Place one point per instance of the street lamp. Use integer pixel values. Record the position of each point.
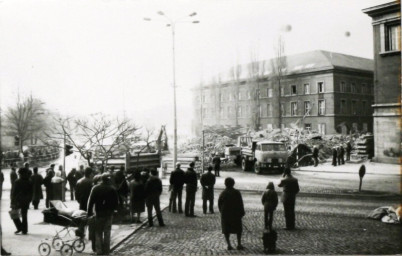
(172, 23)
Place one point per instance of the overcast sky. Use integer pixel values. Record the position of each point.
(88, 56)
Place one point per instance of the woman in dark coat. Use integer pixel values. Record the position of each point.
(37, 181)
(231, 207)
(21, 197)
(137, 196)
(270, 201)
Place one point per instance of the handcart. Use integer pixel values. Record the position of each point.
(67, 239)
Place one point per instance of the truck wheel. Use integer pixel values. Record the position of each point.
(244, 165)
(238, 161)
(257, 168)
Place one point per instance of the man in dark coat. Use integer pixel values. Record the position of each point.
(80, 173)
(191, 189)
(231, 207)
(208, 182)
(177, 182)
(137, 196)
(26, 166)
(105, 199)
(83, 189)
(153, 190)
(315, 155)
(13, 177)
(216, 161)
(72, 181)
(21, 198)
(48, 184)
(37, 181)
(1, 182)
(348, 150)
(121, 186)
(270, 201)
(338, 150)
(334, 156)
(342, 155)
(290, 188)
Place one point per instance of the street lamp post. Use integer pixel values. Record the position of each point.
(172, 24)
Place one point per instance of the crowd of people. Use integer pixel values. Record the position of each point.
(101, 193)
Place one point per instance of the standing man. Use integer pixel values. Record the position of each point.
(191, 189)
(21, 197)
(216, 161)
(121, 186)
(315, 155)
(153, 190)
(80, 173)
(83, 189)
(348, 150)
(37, 181)
(290, 188)
(342, 149)
(177, 183)
(13, 177)
(26, 166)
(208, 182)
(104, 197)
(334, 156)
(1, 181)
(48, 184)
(72, 181)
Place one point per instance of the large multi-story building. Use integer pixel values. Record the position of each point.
(387, 80)
(323, 91)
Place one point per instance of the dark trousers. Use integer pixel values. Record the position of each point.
(334, 161)
(315, 161)
(72, 191)
(347, 156)
(177, 194)
(35, 203)
(217, 169)
(211, 205)
(22, 224)
(1, 190)
(49, 196)
(268, 219)
(151, 202)
(190, 202)
(103, 227)
(289, 207)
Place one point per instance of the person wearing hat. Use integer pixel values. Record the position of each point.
(47, 181)
(153, 191)
(177, 182)
(191, 189)
(105, 199)
(21, 197)
(270, 201)
(37, 181)
(83, 189)
(216, 161)
(290, 188)
(208, 182)
(29, 171)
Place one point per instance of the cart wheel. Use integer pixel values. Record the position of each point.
(66, 250)
(79, 245)
(44, 249)
(57, 244)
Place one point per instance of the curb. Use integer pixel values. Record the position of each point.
(368, 173)
(114, 247)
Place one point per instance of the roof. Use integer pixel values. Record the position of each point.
(269, 142)
(377, 10)
(314, 61)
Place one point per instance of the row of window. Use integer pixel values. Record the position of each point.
(344, 87)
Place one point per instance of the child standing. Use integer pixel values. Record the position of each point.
(270, 201)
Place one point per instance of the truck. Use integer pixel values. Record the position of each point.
(262, 155)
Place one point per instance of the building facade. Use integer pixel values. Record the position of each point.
(323, 91)
(387, 83)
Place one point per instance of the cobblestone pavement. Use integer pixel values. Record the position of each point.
(324, 226)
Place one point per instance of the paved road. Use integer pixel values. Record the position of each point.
(324, 226)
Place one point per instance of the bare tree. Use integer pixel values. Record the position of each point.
(25, 119)
(279, 65)
(256, 71)
(235, 75)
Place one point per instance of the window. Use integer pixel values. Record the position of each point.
(260, 112)
(343, 107)
(364, 89)
(283, 113)
(269, 92)
(347, 88)
(321, 107)
(393, 36)
(230, 97)
(343, 86)
(307, 127)
(282, 91)
(293, 108)
(239, 111)
(239, 95)
(306, 88)
(222, 98)
(269, 110)
(354, 107)
(321, 128)
(365, 127)
(364, 106)
(320, 87)
(293, 90)
(222, 113)
(228, 112)
(307, 108)
(248, 95)
(353, 88)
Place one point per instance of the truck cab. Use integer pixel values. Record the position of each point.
(264, 156)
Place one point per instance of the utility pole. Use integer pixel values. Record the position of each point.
(203, 151)
(63, 192)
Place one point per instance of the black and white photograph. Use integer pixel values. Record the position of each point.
(189, 127)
